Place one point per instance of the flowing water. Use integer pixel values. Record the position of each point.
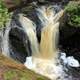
(45, 55)
(44, 58)
(5, 41)
(30, 29)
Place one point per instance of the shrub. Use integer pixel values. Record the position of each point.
(4, 16)
(73, 13)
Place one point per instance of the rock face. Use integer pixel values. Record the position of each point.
(71, 42)
(69, 36)
(19, 48)
(10, 70)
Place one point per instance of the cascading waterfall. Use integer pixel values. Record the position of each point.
(44, 60)
(5, 41)
(44, 55)
(49, 35)
(1, 36)
(30, 29)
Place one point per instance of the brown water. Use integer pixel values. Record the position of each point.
(50, 33)
(47, 49)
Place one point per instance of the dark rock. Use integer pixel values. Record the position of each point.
(19, 44)
(70, 41)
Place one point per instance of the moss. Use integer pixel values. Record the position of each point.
(40, 79)
(4, 15)
(73, 13)
(9, 75)
(12, 74)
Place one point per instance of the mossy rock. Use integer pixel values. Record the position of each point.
(11, 70)
(73, 13)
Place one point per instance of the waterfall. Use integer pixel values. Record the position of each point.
(30, 29)
(5, 41)
(44, 60)
(50, 31)
(1, 36)
(42, 57)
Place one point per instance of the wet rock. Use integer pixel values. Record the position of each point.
(19, 44)
(69, 36)
(70, 41)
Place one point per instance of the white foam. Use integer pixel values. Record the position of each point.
(70, 60)
(49, 68)
(29, 64)
(44, 67)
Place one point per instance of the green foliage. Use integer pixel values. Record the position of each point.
(9, 75)
(4, 16)
(73, 12)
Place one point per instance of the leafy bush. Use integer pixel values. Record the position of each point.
(4, 16)
(73, 13)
